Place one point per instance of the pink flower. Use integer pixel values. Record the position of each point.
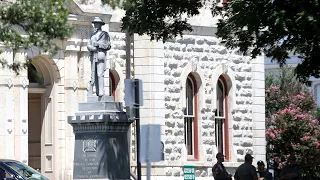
(282, 131)
(314, 121)
(305, 138)
(272, 136)
(317, 144)
(281, 164)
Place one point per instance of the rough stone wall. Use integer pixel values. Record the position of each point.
(209, 54)
(118, 51)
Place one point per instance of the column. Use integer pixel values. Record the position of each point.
(149, 67)
(106, 73)
(21, 111)
(258, 109)
(71, 84)
(7, 129)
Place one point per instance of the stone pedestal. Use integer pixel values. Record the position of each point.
(101, 140)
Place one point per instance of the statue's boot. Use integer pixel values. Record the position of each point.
(101, 85)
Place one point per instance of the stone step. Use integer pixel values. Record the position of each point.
(98, 106)
(100, 99)
(80, 113)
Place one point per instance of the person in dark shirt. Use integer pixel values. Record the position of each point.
(262, 173)
(219, 172)
(246, 171)
(291, 171)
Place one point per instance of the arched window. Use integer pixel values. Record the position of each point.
(191, 118)
(112, 85)
(35, 78)
(221, 118)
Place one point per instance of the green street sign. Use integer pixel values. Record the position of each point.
(188, 172)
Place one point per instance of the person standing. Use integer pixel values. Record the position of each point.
(262, 173)
(219, 172)
(246, 171)
(98, 46)
(291, 171)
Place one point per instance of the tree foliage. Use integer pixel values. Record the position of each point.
(273, 27)
(33, 23)
(291, 124)
(160, 19)
(276, 28)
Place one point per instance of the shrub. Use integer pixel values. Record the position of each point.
(291, 125)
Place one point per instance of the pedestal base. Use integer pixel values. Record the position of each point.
(101, 141)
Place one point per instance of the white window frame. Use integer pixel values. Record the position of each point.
(221, 118)
(186, 116)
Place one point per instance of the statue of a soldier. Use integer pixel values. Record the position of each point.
(98, 46)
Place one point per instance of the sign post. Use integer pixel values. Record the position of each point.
(189, 173)
(150, 147)
(134, 98)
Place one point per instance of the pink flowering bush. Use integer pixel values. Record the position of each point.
(292, 128)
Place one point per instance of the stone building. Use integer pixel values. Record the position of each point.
(207, 98)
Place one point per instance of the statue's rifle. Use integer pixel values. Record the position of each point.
(93, 66)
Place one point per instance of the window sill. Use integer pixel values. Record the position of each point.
(197, 163)
(192, 159)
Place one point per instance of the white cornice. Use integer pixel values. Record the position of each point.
(84, 13)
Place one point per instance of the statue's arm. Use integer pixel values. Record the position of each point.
(91, 46)
(106, 43)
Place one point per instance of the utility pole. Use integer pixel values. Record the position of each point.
(137, 117)
(135, 108)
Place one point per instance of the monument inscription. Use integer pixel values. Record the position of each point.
(88, 156)
(101, 155)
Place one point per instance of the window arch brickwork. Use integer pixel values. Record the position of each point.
(191, 118)
(221, 117)
(226, 76)
(195, 71)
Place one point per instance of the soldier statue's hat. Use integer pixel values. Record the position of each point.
(98, 20)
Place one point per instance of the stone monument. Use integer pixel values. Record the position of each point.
(100, 126)
(98, 46)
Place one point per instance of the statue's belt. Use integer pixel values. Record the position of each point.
(101, 50)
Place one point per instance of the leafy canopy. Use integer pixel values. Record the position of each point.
(33, 23)
(276, 28)
(160, 19)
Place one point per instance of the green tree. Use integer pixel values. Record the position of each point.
(160, 19)
(33, 23)
(275, 28)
